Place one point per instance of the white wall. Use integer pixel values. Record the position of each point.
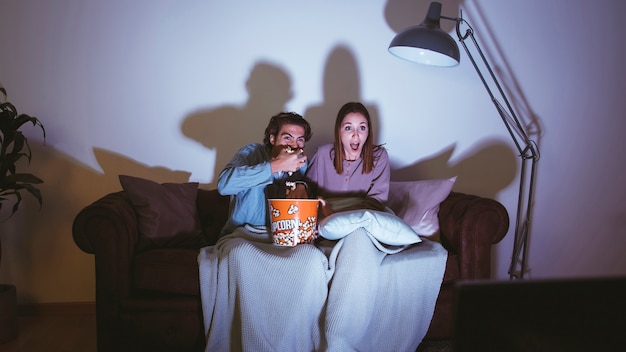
(167, 89)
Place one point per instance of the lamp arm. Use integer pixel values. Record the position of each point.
(527, 149)
(508, 115)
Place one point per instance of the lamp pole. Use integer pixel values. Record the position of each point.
(527, 149)
(427, 44)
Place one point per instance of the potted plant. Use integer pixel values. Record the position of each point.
(13, 148)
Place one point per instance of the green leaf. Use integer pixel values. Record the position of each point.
(13, 147)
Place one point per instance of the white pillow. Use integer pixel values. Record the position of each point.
(384, 226)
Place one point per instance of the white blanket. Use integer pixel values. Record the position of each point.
(353, 294)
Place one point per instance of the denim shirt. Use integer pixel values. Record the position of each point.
(244, 179)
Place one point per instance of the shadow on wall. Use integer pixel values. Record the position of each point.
(401, 14)
(228, 128)
(528, 118)
(487, 169)
(342, 84)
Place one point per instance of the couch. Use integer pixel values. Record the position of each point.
(147, 293)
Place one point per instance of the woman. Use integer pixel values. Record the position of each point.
(380, 298)
(361, 169)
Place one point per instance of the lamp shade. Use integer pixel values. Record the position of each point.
(427, 43)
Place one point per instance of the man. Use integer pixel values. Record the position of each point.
(257, 165)
(242, 277)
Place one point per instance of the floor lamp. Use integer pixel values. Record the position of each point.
(428, 44)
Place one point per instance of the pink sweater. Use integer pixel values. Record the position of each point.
(352, 182)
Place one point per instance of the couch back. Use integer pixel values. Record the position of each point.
(213, 211)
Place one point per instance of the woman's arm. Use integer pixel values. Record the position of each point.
(381, 173)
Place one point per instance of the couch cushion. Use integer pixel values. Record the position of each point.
(417, 203)
(167, 270)
(166, 213)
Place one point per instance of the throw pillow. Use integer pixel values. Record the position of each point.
(166, 213)
(384, 226)
(417, 202)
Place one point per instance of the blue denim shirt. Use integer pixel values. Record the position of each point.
(244, 179)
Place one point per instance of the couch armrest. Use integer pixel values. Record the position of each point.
(107, 228)
(469, 226)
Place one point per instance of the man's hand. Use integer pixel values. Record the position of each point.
(287, 159)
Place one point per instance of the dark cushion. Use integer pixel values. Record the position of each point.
(166, 213)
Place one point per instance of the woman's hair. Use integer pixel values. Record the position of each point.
(367, 153)
(285, 118)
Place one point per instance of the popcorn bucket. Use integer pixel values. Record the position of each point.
(293, 221)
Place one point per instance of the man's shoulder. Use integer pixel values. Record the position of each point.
(251, 147)
(255, 145)
(250, 154)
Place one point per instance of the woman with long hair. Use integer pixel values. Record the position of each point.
(352, 166)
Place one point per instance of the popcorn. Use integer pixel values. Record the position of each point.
(293, 221)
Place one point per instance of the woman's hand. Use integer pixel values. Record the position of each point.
(325, 208)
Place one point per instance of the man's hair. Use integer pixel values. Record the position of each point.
(285, 118)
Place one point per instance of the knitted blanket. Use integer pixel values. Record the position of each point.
(351, 294)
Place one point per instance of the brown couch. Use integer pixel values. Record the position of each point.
(148, 299)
